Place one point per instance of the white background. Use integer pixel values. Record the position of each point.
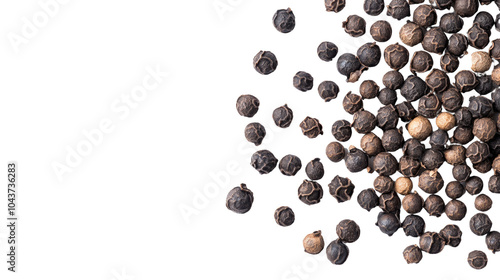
(147, 201)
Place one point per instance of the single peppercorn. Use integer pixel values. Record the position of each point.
(445, 121)
(406, 111)
(371, 144)
(247, 105)
(494, 145)
(263, 161)
(481, 62)
(356, 160)
(451, 23)
(466, 8)
(369, 54)
(438, 81)
(368, 89)
(414, 88)
(255, 133)
(483, 202)
(348, 64)
(485, 84)
(284, 216)
(239, 199)
(289, 165)
(462, 135)
(434, 205)
(337, 252)
(334, 5)
(452, 101)
(398, 9)
(431, 242)
(310, 192)
(284, 20)
(421, 62)
(327, 51)
(303, 81)
(494, 184)
(383, 184)
(393, 140)
(477, 259)
(388, 223)
(328, 90)
(314, 243)
(283, 116)
(412, 254)
(411, 34)
(409, 167)
(425, 16)
(265, 62)
(441, 4)
(435, 40)
(461, 172)
(452, 235)
(396, 56)
(335, 151)
(485, 21)
(430, 181)
(484, 129)
(387, 96)
(393, 80)
(455, 154)
(455, 190)
(464, 117)
(439, 140)
(352, 103)
(413, 203)
(449, 62)
(494, 50)
(390, 202)
(455, 210)
(477, 152)
(478, 37)
(413, 225)
(373, 7)
(480, 106)
(348, 231)
(387, 117)
(364, 122)
(484, 166)
(413, 148)
(495, 75)
(403, 185)
(315, 169)
(341, 188)
(355, 26)
(493, 241)
(341, 130)
(419, 128)
(432, 159)
(458, 45)
(368, 199)
(381, 31)
(311, 127)
(429, 106)
(480, 224)
(465, 80)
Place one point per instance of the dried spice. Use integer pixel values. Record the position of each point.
(412, 254)
(284, 216)
(413, 203)
(477, 152)
(478, 37)
(263, 161)
(431, 242)
(369, 54)
(484, 129)
(398, 9)
(432, 159)
(462, 135)
(461, 172)
(409, 167)
(465, 80)
(387, 96)
(390, 202)
(393, 140)
(314, 243)
(373, 7)
(364, 122)
(434, 205)
(493, 241)
(396, 56)
(341, 130)
(403, 185)
(464, 117)
(485, 84)
(455, 154)
(327, 51)
(289, 165)
(352, 103)
(406, 111)
(483, 202)
(328, 90)
(393, 80)
(371, 144)
(455, 190)
(414, 88)
(255, 133)
(341, 188)
(388, 223)
(247, 105)
(466, 8)
(381, 31)
(265, 62)
(420, 128)
(383, 184)
(429, 106)
(315, 169)
(439, 140)
(451, 23)
(356, 160)
(477, 259)
(337, 252)
(413, 148)
(438, 81)
(425, 15)
(349, 66)
(348, 231)
(310, 192)
(368, 199)
(452, 235)
(481, 62)
(311, 127)
(494, 50)
(413, 225)
(239, 199)
(411, 34)
(430, 181)
(480, 224)
(334, 5)
(449, 62)
(283, 116)
(335, 151)
(455, 210)
(387, 117)
(284, 20)
(303, 81)
(355, 26)
(435, 40)
(458, 45)
(445, 121)
(369, 89)
(421, 62)
(485, 21)
(441, 4)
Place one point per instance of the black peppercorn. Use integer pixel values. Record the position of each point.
(387, 96)
(364, 122)
(494, 50)
(356, 160)
(383, 184)
(411, 34)
(429, 106)
(396, 56)
(466, 8)
(398, 9)
(409, 167)
(477, 152)
(431, 243)
(493, 241)
(425, 15)
(430, 181)
(334, 5)
(341, 130)
(289, 165)
(412, 254)
(348, 64)
(335, 151)
(348, 231)
(462, 135)
(284, 20)
(452, 100)
(465, 80)
(432, 159)
(392, 140)
(438, 81)
(368, 199)
(390, 202)
(283, 116)
(263, 161)
(406, 111)
(315, 170)
(239, 199)
(255, 133)
(477, 259)
(414, 88)
(371, 144)
(449, 62)
(413, 148)
(352, 103)
(284, 216)
(483, 202)
(247, 105)
(452, 235)
(327, 51)
(485, 85)
(369, 54)
(484, 166)
(421, 62)
(480, 106)
(381, 31)
(495, 145)
(442, 4)
(455, 190)
(461, 172)
(303, 81)
(393, 80)
(458, 45)
(478, 37)
(464, 117)
(311, 127)
(494, 184)
(328, 90)
(413, 203)
(314, 243)
(451, 23)
(484, 129)
(455, 154)
(373, 7)
(413, 225)
(435, 40)
(480, 224)
(310, 192)
(455, 210)
(355, 26)
(388, 223)
(265, 62)
(337, 252)
(387, 117)
(369, 89)
(434, 205)
(341, 188)
(439, 139)
(485, 21)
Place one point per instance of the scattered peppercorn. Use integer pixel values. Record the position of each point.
(247, 105)
(355, 26)
(327, 51)
(348, 64)
(303, 81)
(481, 62)
(466, 8)
(465, 80)
(431, 242)
(462, 135)
(480, 224)
(406, 111)
(449, 62)
(334, 5)
(477, 259)
(434, 205)
(477, 152)
(455, 210)
(341, 130)
(420, 128)
(371, 144)
(452, 235)
(239, 199)
(289, 165)
(412, 254)
(369, 89)
(264, 161)
(464, 117)
(364, 122)
(315, 170)
(403, 185)
(284, 216)
(356, 160)
(311, 127)
(368, 199)
(337, 252)
(485, 84)
(310, 192)
(388, 223)
(439, 140)
(393, 140)
(478, 37)
(284, 20)
(335, 151)
(458, 45)
(494, 50)
(255, 133)
(341, 188)
(413, 148)
(483, 203)
(328, 90)
(283, 116)
(494, 184)
(445, 121)
(409, 167)
(381, 31)
(314, 243)
(485, 21)
(461, 172)
(383, 184)
(413, 225)
(396, 56)
(414, 88)
(432, 159)
(451, 23)
(455, 154)
(373, 7)
(387, 96)
(411, 34)
(442, 4)
(435, 40)
(265, 62)
(429, 106)
(493, 241)
(430, 181)
(413, 203)
(398, 9)
(455, 190)
(438, 81)
(425, 15)
(421, 62)
(369, 54)
(348, 231)
(390, 202)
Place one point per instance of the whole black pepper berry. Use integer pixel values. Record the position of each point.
(337, 252)
(284, 20)
(364, 122)
(458, 45)
(414, 88)
(483, 202)
(431, 243)
(355, 26)
(387, 96)
(466, 8)
(247, 105)
(406, 111)
(388, 223)
(315, 169)
(368, 199)
(485, 85)
(461, 172)
(494, 184)
(480, 224)
(398, 9)
(493, 241)
(430, 181)
(356, 160)
(434, 205)
(411, 34)
(284, 216)
(369, 89)
(464, 117)
(328, 90)
(255, 133)
(455, 154)
(283, 116)
(413, 225)
(289, 165)
(239, 199)
(314, 243)
(265, 62)
(455, 190)
(393, 80)
(335, 151)
(373, 7)
(371, 144)
(413, 148)
(425, 15)
(478, 37)
(484, 129)
(327, 51)
(495, 49)
(383, 184)
(348, 231)
(442, 4)
(449, 62)
(484, 166)
(396, 56)
(303, 81)
(465, 80)
(455, 210)
(477, 152)
(429, 106)
(311, 127)
(435, 40)
(462, 135)
(390, 202)
(409, 167)
(341, 188)
(439, 140)
(477, 259)
(432, 159)
(495, 145)
(387, 117)
(341, 130)
(381, 31)
(480, 106)
(334, 5)
(438, 81)
(421, 62)
(263, 161)
(393, 140)
(352, 103)
(348, 64)
(451, 23)
(310, 192)
(413, 203)
(412, 254)
(369, 54)
(485, 21)
(385, 164)
(452, 235)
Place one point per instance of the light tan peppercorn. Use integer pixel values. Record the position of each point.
(483, 202)
(495, 75)
(481, 62)
(403, 185)
(420, 128)
(314, 243)
(455, 154)
(445, 121)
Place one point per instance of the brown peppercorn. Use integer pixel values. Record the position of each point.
(481, 62)
(265, 62)
(432, 159)
(289, 165)
(484, 166)
(478, 37)
(390, 202)
(393, 139)
(255, 133)
(284, 216)
(421, 62)
(381, 31)
(398, 9)
(477, 152)
(461, 172)
(449, 62)
(413, 203)
(483, 202)
(335, 151)
(396, 56)
(441, 4)
(327, 51)
(480, 106)
(462, 135)
(495, 49)
(355, 26)
(348, 231)
(328, 90)
(494, 184)
(466, 8)
(455, 190)
(484, 129)
(493, 241)
(452, 235)
(465, 80)
(406, 111)
(495, 75)
(334, 5)
(247, 105)
(480, 224)
(412, 254)
(303, 81)
(411, 34)
(369, 89)
(455, 210)
(341, 188)
(369, 54)
(435, 40)
(425, 15)
(314, 243)
(352, 103)
(383, 184)
(477, 259)
(429, 106)
(458, 45)
(387, 96)
(431, 243)
(356, 160)
(413, 148)
(315, 169)
(371, 144)
(420, 128)
(474, 185)
(451, 22)
(283, 116)
(445, 121)
(403, 185)
(452, 100)
(434, 205)
(364, 122)
(385, 164)
(368, 199)
(430, 181)
(388, 223)
(387, 117)
(438, 81)
(455, 154)
(373, 7)
(341, 130)
(414, 88)
(310, 192)
(311, 127)
(409, 167)
(393, 80)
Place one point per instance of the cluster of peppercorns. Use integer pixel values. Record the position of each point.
(474, 128)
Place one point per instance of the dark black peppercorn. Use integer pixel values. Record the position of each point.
(480, 106)
(429, 106)
(393, 80)
(398, 9)
(465, 80)
(458, 45)
(355, 26)
(485, 20)
(352, 103)
(341, 130)
(356, 160)
(484, 166)
(413, 225)
(334, 5)
(412, 254)
(264, 161)
(480, 224)
(341, 188)
(328, 90)
(383, 184)
(442, 4)
(463, 117)
(434, 205)
(239, 199)
(451, 23)
(485, 85)
(413, 203)
(409, 167)
(327, 51)
(314, 243)
(283, 116)
(432, 159)
(495, 49)
(406, 111)
(477, 152)
(449, 62)
(348, 231)
(265, 62)
(484, 129)
(337, 252)
(411, 34)
(364, 122)
(368, 199)
(439, 139)
(495, 145)
(284, 216)
(421, 62)
(315, 170)
(477, 259)
(495, 97)
(373, 7)
(303, 81)
(425, 15)
(381, 31)
(478, 37)
(392, 140)
(483, 202)
(438, 81)
(461, 172)
(387, 117)
(335, 151)
(311, 127)
(369, 89)
(455, 154)
(455, 190)
(348, 64)
(390, 202)
(284, 20)
(255, 133)
(462, 135)
(289, 165)
(435, 40)
(371, 144)
(369, 54)
(247, 105)
(452, 235)
(414, 88)
(310, 192)
(396, 56)
(493, 241)
(431, 243)
(430, 181)
(455, 210)
(387, 96)
(413, 148)
(494, 184)
(388, 223)
(466, 8)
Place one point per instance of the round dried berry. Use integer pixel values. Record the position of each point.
(452, 235)
(368, 199)
(369, 89)
(435, 40)
(255, 133)
(421, 62)
(356, 160)
(466, 8)
(311, 127)
(413, 225)
(431, 243)
(335, 151)
(369, 54)
(478, 37)
(247, 105)
(381, 31)
(265, 62)
(303, 81)
(458, 45)
(341, 188)
(348, 231)
(239, 199)
(355, 26)
(398, 9)
(264, 161)
(327, 51)
(310, 192)
(283, 116)
(315, 170)
(334, 5)
(425, 16)
(284, 216)
(411, 34)
(289, 165)
(373, 7)
(393, 80)
(364, 122)
(396, 56)
(451, 23)
(477, 259)
(388, 223)
(328, 90)
(284, 20)
(430, 181)
(449, 62)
